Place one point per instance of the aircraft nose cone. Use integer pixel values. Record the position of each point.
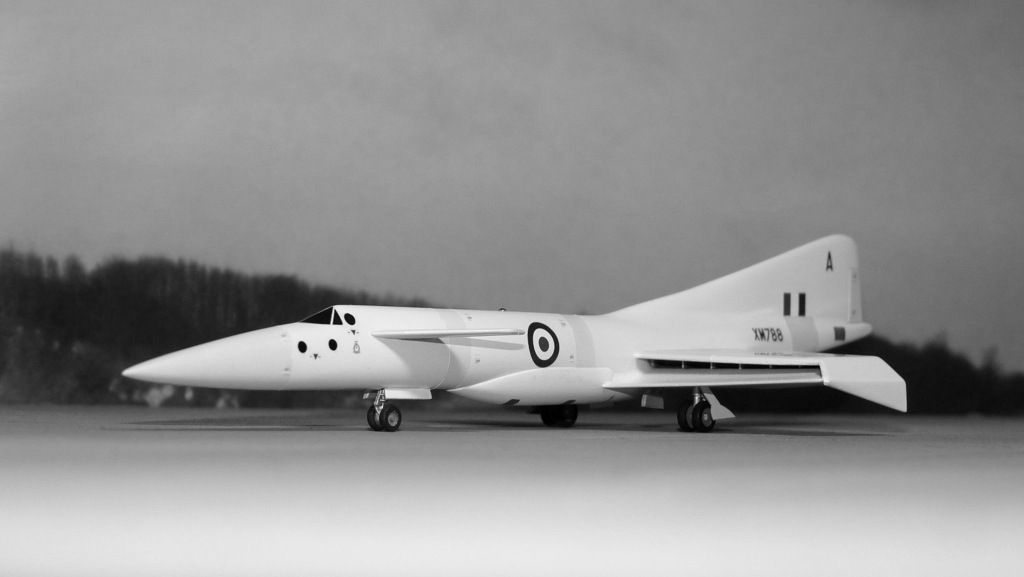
(257, 359)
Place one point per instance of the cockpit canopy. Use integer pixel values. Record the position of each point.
(330, 316)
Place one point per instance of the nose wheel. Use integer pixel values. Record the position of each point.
(390, 418)
(373, 419)
(382, 415)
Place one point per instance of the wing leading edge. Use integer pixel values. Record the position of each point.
(866, 377)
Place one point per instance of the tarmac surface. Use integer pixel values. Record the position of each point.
(133, 491)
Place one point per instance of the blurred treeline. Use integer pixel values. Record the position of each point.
(67, 332)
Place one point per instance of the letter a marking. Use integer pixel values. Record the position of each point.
(828, 263)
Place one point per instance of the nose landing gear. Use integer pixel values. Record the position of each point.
(382, 415)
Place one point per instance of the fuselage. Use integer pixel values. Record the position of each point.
(340, 349)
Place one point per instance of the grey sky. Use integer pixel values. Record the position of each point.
(538, 156)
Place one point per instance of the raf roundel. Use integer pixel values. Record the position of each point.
(543, 344)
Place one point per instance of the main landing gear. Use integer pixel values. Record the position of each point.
(382, 415)
(697, 416)
(563, 416)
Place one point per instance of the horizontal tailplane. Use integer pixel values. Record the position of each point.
(869, 378)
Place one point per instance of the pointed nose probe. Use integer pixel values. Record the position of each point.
(255, 360)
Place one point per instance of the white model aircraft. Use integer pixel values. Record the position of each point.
(760, 327)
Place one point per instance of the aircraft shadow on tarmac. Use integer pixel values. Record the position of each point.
(475, 424)
(787, 432)
(780, 429)
(245, 423)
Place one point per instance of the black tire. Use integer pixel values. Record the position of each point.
(565, 415)
(390, 418)
(562, 416)
(547, 416)
(685, 418)
(372, 420)
(703, 422)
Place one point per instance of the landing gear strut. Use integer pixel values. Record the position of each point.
(382, 415)
(697, 416)
(563, 416)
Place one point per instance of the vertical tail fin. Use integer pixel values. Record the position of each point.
(818, 279)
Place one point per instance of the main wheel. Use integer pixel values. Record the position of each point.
(547, 416)
(372, 420)
(703, 422)
(390, 418)
(685, 418)
(565, 415)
